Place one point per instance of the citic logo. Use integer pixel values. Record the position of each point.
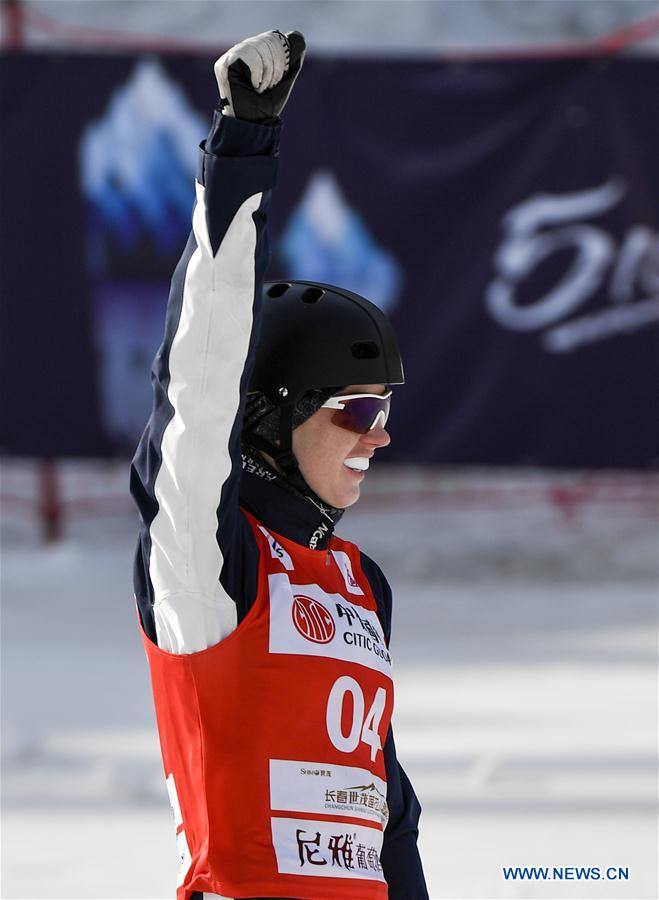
(312, 620)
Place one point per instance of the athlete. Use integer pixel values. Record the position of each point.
(268, 636)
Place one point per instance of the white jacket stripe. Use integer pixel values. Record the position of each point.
(207, 357)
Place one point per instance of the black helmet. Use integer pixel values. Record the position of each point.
(316, 338)
(314, 335)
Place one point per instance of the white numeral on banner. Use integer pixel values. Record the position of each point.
(364, 728)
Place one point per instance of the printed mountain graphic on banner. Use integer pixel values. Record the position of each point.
(137, 168)
(326, 240)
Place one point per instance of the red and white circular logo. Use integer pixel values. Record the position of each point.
(312, 620)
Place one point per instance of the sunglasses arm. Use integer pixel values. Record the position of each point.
(339, 401)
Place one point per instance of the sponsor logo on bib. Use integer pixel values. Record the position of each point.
(277, 551)
(312, 620)
(306, 620)
(329, 789)
(327, 849)
(344, 564)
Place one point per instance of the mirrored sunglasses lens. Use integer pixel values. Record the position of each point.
(359, 415)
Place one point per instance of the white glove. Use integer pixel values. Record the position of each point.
(255, 77)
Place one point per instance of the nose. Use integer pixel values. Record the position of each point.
(376, 437)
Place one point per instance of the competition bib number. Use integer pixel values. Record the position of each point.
(364, 727)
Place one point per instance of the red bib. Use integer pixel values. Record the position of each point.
(272, 739)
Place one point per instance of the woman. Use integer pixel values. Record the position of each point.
(267, 636)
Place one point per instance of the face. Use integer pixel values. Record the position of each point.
(324, 451)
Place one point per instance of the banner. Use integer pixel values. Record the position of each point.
(504, 214)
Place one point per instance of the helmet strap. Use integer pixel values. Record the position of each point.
(282, 453)
(260, 443)
(284, 457)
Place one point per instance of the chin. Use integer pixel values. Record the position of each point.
(349, 498)
(342, 499)
(341, 492)
(353, 499)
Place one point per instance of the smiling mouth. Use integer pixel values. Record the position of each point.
(357, 464)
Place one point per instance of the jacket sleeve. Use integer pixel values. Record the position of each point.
(400, 857)
(185, 473)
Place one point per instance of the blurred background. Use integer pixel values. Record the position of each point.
(486, 172)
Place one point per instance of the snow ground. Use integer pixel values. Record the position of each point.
(526, 665)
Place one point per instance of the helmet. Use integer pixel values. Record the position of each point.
(314, 340)
(314, 335)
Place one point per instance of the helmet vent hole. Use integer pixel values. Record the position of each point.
(312, 295)
(278, 290)
(365, 350)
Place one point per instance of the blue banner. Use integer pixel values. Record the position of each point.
(502, 213)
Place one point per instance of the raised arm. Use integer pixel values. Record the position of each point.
(185, 473)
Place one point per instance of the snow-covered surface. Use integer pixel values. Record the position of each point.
(526, 667)
(339, 26)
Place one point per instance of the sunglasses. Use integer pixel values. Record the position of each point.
(359, 412)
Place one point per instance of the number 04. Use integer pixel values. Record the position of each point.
(363, 728)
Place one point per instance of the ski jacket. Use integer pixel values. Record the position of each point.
(221, 536)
